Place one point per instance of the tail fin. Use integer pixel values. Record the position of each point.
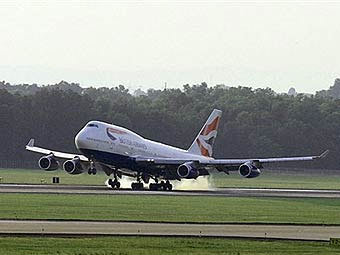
(203, 143)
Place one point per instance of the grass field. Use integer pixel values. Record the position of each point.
(269, 179)
(156, 245)
(170, 209)
(37, 176)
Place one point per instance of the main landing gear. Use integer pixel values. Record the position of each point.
(115, 184)
(160, 186)
(137, 185)
(92, 169)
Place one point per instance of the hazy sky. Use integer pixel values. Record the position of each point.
(143, 44)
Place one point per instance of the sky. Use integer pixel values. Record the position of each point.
(147, 44)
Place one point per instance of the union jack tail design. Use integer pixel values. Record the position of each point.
(203, 143)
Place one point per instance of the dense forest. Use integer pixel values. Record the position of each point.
(255, 122)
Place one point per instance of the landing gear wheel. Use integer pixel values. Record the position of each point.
(114, 184)
(117, 185)
(168, 186)
(137, 186)
(162, 185)
(92, 168)
(92, 171)
(153, 186)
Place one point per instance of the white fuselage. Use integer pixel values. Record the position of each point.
(103, 137)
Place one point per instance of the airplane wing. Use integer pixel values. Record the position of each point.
(30, 147)
(224, 162)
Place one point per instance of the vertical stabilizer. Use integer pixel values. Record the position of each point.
(203, 143)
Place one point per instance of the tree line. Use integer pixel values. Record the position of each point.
(255, 122)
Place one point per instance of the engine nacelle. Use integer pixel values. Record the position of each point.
(248, 170)
(73, 166)
(187, 171)
(48, 163)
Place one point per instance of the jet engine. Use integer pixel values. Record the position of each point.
(187, 171)
(48, 163)
(248, 170)
(73, 166)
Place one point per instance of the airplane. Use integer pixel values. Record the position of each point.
(119, 151)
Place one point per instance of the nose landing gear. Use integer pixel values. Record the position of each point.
(92, 168)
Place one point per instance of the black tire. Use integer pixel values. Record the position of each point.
(168, 185)
(117, 185)
(94, 171)
(136, 186)
(162, 186)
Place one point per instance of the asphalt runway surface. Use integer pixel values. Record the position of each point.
(225, 192)
(43, 227)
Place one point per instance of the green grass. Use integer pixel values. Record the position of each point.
(37, 176)
(170, 209)
(157, 245)
(272, 179)
(269, 179)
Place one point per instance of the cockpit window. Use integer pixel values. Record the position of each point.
(92, 125)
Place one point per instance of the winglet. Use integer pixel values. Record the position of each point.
(30, 143)
(324, 154)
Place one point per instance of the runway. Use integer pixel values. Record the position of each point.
(43, 227)
(270, 231)
(225, 192)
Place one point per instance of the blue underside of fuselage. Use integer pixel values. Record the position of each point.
(109, 158)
